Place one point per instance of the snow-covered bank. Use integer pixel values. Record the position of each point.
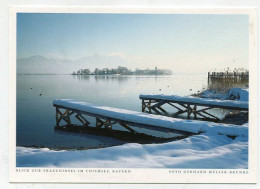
(237, 94)
(198, 151)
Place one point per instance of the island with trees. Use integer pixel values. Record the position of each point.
(122, 71)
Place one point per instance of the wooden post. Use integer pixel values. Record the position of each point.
(194, 111)
(189, 110)
(143, 105)
(57, 117)
(149, 106)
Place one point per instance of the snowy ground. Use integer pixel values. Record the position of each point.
(198, 151)
(237, 94)
(210, 149)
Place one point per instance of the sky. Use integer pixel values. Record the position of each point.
(180, 42)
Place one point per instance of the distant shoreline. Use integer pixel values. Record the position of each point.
(110, 74)
(100, 74)
(117, 74)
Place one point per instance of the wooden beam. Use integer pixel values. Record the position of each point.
(201, 115)
(86, 121)
(179, 112)
(127, 127)
(99, 123)
(204, 109)
(154, 109)
(78, 118)
(162, 102)
(175, 106)
(210, 115)
(163, 110)
(69, 114)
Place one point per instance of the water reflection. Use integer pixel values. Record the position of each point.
(81, 77)
(222, 84)
(108, 78)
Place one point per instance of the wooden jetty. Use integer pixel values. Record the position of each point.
(189, 105)
(106, 117)
(228, 75)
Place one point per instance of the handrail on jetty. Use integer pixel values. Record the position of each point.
(108, 116)
(189, 105)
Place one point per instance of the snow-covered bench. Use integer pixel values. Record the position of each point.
(107, 116)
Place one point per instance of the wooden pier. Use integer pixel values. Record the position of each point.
(198, 107)
(106, 117)
(229, 75)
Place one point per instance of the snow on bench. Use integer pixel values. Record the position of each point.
(134, 117)
(232, 104)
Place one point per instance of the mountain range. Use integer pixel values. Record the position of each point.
(41, 65)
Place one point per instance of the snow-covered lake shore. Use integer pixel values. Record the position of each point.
(211, 150)
(198, 151)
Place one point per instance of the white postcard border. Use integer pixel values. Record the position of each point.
(113, 175)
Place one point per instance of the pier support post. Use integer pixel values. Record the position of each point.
(143, 105)
(149, 106)
(57, 117)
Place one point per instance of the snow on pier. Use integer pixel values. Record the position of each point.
(189, 105)
(107, 116)
(228, 104)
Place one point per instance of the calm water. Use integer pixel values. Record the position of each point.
(36, 114)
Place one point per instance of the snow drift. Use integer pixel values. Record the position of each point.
(198, 151)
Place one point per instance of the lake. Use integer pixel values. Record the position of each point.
(36, 114)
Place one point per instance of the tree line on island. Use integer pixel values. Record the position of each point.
(122, 71)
